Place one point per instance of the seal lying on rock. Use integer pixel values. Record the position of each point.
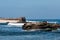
(40, 25)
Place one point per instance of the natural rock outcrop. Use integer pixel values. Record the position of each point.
(14, 20)
(40, 25)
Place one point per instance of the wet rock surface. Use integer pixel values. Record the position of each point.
(40, 25)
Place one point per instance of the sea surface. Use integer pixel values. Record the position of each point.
(8, 32)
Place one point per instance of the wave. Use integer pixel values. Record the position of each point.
(51, 22)
(47, 21)
(31, 21)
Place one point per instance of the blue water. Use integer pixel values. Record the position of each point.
(17, 33)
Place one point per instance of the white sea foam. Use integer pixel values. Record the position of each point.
(51, 22)
(30, 21)
(16, 24)
(31, 30)
(40, 21)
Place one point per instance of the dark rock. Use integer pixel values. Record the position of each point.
(40, 25)
(22, 20)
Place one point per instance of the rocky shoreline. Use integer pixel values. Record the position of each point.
(40, 25)
(43, 25)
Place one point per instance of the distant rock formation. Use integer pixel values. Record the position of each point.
(21, 19)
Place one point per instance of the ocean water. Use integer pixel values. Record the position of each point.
(8, 32)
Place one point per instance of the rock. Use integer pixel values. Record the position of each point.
(13, 20)
(40, 25)
(34, 25)
(22, 19)
(27, 26)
